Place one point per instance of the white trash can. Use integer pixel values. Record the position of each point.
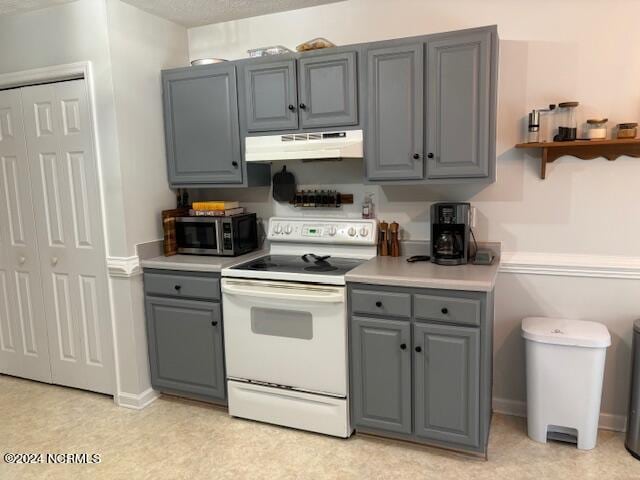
(565, 367)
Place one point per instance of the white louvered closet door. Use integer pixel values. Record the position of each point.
(66, 200)
(24, 351)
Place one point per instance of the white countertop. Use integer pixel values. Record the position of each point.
(396, 271)
(199, 263)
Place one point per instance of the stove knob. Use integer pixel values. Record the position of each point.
(277, 229)
(364, 232)
(332, 231)
(288, 229)
(352, 232)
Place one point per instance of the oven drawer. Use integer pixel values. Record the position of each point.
(389, 304)
(183, 285)
(464, 311)
(306, 411)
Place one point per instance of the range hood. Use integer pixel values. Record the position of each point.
(304, 146)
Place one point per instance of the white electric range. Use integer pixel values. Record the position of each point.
(285, 329)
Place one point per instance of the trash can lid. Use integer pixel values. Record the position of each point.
(561, 331)
(636, 326)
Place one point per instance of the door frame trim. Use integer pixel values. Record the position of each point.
(71, 71)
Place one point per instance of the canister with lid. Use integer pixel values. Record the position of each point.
(596, 128)
(627, 130)
(566, 122)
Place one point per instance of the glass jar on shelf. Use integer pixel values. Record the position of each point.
(596, 129)
(567, 124)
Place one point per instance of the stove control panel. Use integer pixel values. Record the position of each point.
(323, 230)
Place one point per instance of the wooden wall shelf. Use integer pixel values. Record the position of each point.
(584, 149)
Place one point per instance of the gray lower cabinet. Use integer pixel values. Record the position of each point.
(446, 376)
(381, 359)
(394, 126)
(186, 354)
(458, 106)
(201, 126)
(328, 96)
(271, 100)
(425, 375)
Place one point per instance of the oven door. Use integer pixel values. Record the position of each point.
(200, 235)
(286, 334)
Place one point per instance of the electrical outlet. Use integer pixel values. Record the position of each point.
(472, 217)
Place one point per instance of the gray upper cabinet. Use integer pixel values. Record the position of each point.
(447, 395)
(270, 96)
(201, 126)
(381, 366)
(458, 109)
(185, 346)
(327, 93)
(394, 124)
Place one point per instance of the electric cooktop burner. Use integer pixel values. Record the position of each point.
(309, 264)
(320, 268)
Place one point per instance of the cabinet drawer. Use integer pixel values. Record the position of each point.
(464, 311)
(181, 285)
(390, 304)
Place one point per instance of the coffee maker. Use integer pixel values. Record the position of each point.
(450, 228)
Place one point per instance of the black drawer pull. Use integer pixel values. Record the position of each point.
(177, 287)
(416, 156)
(444, 310)
(234, 163)
(379, 304)
(429, 155)
(418, 349)
(292, 107)
(302, 106)
(403, 346)
(214, 322)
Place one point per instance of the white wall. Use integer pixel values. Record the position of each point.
(75, 32)
(127, 49)
(142, 45)
(588, 208)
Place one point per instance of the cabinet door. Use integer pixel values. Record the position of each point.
(394, 127)
(446, 371)
(201, 126)
(328, 92)
(185, 346)
(271, 97)
(381, 374)
(458, 99)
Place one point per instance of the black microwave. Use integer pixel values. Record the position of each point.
(223, 236)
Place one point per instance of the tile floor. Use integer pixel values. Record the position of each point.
(179, 439)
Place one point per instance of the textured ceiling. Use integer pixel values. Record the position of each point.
(16, 6)
(191, 13)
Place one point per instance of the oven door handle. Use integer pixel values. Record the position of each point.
(306, 294)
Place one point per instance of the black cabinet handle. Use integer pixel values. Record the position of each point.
(234, 163)
(403, 346)
(214, 323)
(429, 155)
(302, 106)
(378, 304)
(177, 287)
(292, 107)
(444, 310)
(418, 349)
(416, 156)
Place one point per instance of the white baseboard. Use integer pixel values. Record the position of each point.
(518, 408)
(136, 402)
